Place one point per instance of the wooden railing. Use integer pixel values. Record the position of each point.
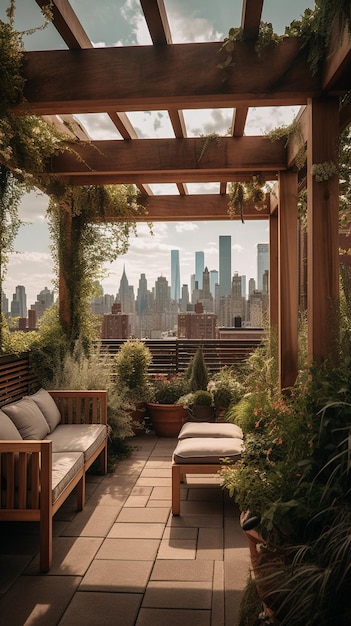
(173, 355)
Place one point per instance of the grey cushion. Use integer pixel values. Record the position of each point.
(28, 418)
(207, 450)
(7, 428)
(48, 407)
(65, 466)
(84, 438)
(210, 429)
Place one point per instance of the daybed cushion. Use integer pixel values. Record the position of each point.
(207, 450)
(48, 407)
(210, 429)
(7, 428)
(65, 466)
(84, 438)
(28, 418)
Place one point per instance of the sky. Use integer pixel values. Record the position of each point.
(118, 23)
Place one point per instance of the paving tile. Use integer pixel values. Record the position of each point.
(178, 595)
(11, 567)
(92, 608)
(218, 598)
(172, 532)
(160, 493)
(136, 501)
(141, 491)
(175, 569)
(199, 521)
(92, 522)
(173, 617)
(117, 576)
(70, 556)
(143, 515)
(210, 544)
(156, 473)
(35, 600)
(160, 503)
(132, 549)
(208, 493)
(203, 507)
(154, 481)
(158, 464)
(235, 578)
(177, 549)
(136, 531)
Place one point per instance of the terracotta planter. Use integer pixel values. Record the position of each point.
(138, 417)
(201, 413)
(166, 419)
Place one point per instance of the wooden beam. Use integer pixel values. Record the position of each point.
(157, 21)
(171, 160)
(336, 75)
(171, 208)
(164, 77)
(273, 271)
(67, 24)
(251, 18)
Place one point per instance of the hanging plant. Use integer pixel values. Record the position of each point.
(324, 171)
(292, 134)
(238, 193)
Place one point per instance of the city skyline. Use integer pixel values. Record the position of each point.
(133, 263)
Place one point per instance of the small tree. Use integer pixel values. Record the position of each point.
(198, 372)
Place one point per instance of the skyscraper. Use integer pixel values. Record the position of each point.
(262, 263)
(213, 281)
(175, 275)
(225, 265)
(199, 267)
(19, 302)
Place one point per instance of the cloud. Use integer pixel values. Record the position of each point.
(185, 226)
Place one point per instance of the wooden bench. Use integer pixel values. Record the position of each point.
(201, 449)
(37, 476)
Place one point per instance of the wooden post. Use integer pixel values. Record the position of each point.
(273, 271)
(288, 279)
(322, 226)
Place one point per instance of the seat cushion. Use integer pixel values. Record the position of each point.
(84, 438)
(210, 429)
(207, 450)
(65, 466)
(28, 418)
(48, 407)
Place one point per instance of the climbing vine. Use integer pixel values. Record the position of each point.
(238, 193)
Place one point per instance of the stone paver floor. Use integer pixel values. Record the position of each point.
(125, 560)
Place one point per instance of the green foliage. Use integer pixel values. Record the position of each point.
(168, 390)
(238, 193)
(202, 397)
(197, 372)
(131, 366)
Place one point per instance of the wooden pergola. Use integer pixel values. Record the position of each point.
(174, 77)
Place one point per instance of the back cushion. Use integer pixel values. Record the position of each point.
(7, 428)
(48, 407)
(28, 418)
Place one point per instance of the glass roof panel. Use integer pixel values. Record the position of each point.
(113, 22)
(169, 189)
(201, 20)
(197, 188)
(98, 126)
(206, 121)
(151, 124)
(261, 120)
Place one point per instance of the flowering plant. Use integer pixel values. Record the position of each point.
(168, 389)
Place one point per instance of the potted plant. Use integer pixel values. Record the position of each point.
(131, 365)
(202, 408)
(226, 390)
(167, 417)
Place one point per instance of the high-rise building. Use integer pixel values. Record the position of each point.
(19, 302)
(175, 275)
(142, 296)
(4, 303)
(225, 265)
(184, 301)
(45, 299)
(126, 294)
(213, 282)
(199, 267)
(262, 263)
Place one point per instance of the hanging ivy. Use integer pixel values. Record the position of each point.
(238, 193)
(86, 237)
